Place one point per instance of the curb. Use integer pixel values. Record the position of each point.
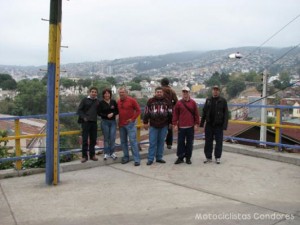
(234, 148)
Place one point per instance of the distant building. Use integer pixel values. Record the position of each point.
(296, 112)
(7, 94)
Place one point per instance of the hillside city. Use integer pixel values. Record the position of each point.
(198, 70)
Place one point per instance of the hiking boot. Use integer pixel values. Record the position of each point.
(83, 160)
(94, 158)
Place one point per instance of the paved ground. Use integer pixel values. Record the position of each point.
(241, 190)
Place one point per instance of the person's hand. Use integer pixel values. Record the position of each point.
(196, 128)
(110, 115)
(129, 120)
(146, 126)
(175, 127)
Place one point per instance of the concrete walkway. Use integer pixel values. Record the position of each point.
(241, 190)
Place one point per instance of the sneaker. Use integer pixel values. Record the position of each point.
(113, 156)
(178, 161)
(124, 161)
(106, 156)
(169, 146)
(160, 161)
(207, 161)
(137, 164)
(149, 163)
(83, 160)
(218, 160)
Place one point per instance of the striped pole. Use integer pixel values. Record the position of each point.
(52, 139)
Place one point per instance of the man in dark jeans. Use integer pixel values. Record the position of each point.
(87, 111)
(186, 121)
(215, 114)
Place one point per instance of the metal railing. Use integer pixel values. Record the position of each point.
(278, 126)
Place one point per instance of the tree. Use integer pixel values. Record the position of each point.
(277, 84)
(234, 87)
(224, 78)
(67, 83)
(284, 78)
(213, 80)
(7, 106)
(201, 95)
(251, 76)
(32, 98)
(101, 85)
(7, 82)
(111, 80)
(84, 82)
(135, 86)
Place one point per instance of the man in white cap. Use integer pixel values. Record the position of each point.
(186, 120)
(215, 114)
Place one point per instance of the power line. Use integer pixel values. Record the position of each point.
(277, 32)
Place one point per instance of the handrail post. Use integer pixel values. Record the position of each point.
(278, 129)
(18, 144)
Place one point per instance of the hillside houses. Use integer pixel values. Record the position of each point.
(27, 127)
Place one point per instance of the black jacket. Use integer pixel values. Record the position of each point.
(87, 109)
(221, 113)
(104, 109)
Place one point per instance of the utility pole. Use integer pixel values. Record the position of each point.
(263, 116)
(52, 138)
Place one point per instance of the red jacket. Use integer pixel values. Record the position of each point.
(128, 109)
(182, 117)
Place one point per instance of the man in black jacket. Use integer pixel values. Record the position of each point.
(87, 111)
(215, 114)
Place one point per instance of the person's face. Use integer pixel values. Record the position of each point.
(215, 92)
(106, 95)
(122, 94)
(185, 94)
(159, 93)
(93, 93)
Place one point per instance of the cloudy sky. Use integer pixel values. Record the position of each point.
(96, 30)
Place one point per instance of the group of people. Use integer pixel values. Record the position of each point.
(163, 113)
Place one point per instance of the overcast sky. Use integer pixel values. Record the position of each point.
(97, 30)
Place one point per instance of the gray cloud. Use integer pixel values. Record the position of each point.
(96, 30)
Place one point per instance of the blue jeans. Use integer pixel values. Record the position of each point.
(129, 131)
(185, 142)
(109, 133)
(156, 138)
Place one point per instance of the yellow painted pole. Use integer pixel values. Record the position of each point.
(18, 144)
(277, 128)
(56, 107)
